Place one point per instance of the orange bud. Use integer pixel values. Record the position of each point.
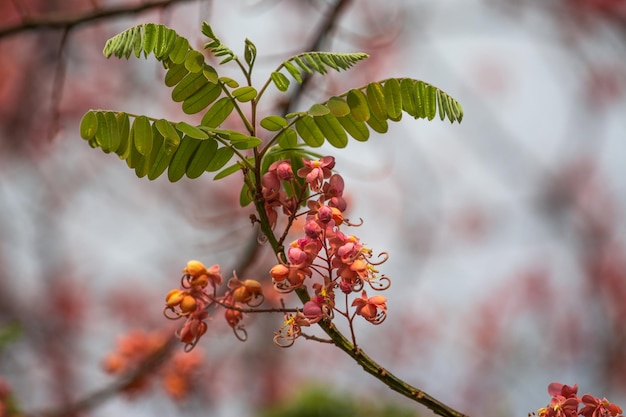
(233, 317)
(253, 286)
(174, 297)
(337, 215)
(200, 281)
(188, 304)
(242, 295)
(279, 272)
(195, 269)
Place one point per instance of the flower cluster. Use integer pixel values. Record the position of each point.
(566, 403)
(340, 260)
(177, 374)
(198, 293)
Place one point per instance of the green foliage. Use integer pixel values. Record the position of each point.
(310, 62)
(314, 402)
(371, 106)
(151, 147)
(9, 333)
(219, 49)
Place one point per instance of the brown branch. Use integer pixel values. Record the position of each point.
(150, 364)
(322, 33)
(65, 21)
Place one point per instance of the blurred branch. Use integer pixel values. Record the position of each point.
(323, 31)
(150, 364)
(67, 21)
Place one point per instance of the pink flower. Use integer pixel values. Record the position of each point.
(333, 192)
(314, 172)
(595, 407)
(372, 309)
(564, 401)
(558, 389)
(193, 329)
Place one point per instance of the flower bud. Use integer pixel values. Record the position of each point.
(188, 304)
(195, 269)
(174, 297)
(279, 272)
(233, 317)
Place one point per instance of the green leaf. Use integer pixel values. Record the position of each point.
(273, 123)
(210, 74)
(218, 112)
(142, 133)
(178, 54)
(287, 139)
(431, 102)
(221, 158)
(294, 71)
(409, 99)
(103, 135)
(123, 123)
(229, 82)
(280, 81)
(202, 98)
(376, 100)
(358, 130)
(245, 196)
(194, 61)
(309, 132)
(180, 160)
(188, 86)
(191, 131)
(239, 140)
(89, 125)
(229, 170)
(202, 158)
(170, 135)
(338, 107)
(249, 53)
(134, 158)
(420, 99)
(244, 94)
(175, 74)
(216, 46)
(332, 130)
(159, 159)
(378, 125)
(114, 130)
(358, 105)
(319, 62)
(443, 104)
(393, 99)
(149, 38)
(318, 110)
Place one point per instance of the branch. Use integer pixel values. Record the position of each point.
(372, 367)
(323, 31)
(94, 399)
(65, 21)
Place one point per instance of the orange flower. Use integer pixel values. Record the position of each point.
(372, 309)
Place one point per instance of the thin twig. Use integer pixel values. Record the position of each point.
(321, 35)
(67, 21)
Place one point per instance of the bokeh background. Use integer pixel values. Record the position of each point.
(506, 232)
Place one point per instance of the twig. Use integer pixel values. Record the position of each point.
(320, 36)
(65, 21)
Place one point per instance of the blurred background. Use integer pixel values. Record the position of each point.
(506, 232)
